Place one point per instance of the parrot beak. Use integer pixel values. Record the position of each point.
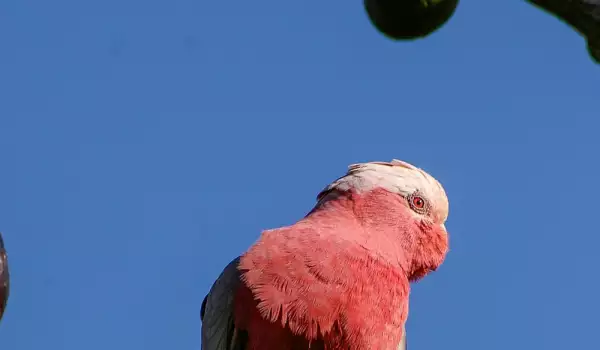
(402, 345)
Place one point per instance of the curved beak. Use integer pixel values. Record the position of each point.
(402, 345)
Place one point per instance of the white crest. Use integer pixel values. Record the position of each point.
(395, 176)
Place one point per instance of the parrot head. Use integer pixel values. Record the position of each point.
(402, 209)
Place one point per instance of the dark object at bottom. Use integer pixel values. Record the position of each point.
(581, 15)
(4, 278)
(409, 19)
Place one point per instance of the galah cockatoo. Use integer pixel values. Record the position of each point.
(338, 278)
(4, 278)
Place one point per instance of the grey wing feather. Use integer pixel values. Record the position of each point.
(218, 328)
(4, 278)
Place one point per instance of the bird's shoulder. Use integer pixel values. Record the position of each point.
(314, 283)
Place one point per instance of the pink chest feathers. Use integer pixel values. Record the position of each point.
(320, 298)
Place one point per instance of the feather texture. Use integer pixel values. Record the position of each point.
(218, 326)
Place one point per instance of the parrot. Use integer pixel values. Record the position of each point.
(409, 19)
(4, 278)
(339, 278)
(581, 15)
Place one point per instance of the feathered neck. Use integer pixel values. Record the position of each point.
(381, 223)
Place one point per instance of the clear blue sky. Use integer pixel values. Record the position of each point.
(144, 144)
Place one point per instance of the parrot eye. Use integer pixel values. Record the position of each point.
(418, 203)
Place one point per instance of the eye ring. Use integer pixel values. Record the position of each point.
(418, 203)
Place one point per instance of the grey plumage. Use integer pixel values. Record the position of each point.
(218, 329)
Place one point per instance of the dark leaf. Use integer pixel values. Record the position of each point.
(409, 19)
(582, 15)
(4, 278)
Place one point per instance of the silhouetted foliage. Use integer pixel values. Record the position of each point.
(4, 277)
(409, 19)
(581, 15)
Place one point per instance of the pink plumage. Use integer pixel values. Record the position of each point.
(338, 278)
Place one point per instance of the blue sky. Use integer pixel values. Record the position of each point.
(144, 144)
